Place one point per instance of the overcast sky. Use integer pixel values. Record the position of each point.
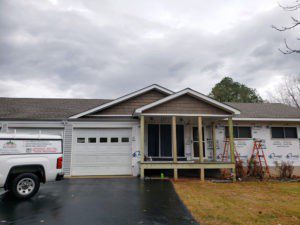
(104, 49)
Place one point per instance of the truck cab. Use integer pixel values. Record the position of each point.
(28, 160)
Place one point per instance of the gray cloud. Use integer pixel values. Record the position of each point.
(96, 49)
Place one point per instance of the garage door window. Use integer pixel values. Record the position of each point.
(81, 140)
(103, 140)
(114, 140)
(125, 139)
(92, 140)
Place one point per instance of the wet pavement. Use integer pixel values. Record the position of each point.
(98, 201)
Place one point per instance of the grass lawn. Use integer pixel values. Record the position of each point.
(241, 203)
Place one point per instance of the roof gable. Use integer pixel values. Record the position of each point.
(187, 101)
(128, 97)
(129, 106)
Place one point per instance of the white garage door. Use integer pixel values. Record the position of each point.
(101, 152)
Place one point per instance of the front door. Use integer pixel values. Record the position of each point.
(196, 142)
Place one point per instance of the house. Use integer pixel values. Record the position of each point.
(108, 137)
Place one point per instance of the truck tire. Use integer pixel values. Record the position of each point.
(25, 185)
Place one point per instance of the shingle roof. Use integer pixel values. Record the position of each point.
(58, 109)
(265, 110)
(44, 108)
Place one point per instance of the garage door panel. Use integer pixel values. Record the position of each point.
(85, 171)
(102, 158)
(96, 158)
(117, 150)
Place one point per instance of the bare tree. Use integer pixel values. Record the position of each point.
(295, 23)
(289, 92)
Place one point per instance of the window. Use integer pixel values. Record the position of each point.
(103, 140)
(284, 132)
(244, 132)
(160, 140)
(196, 142)
(239, 132)
(290, 132)
(114, 140)
(277, 132)
(92, 140)
(80, 140)
(125, 139)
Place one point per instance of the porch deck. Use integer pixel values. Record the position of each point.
(175, 149)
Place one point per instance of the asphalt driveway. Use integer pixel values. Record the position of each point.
(98, 201)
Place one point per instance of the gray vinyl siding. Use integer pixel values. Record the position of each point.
(68, 139)
(4, 128)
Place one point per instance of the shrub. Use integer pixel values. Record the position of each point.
(255, 169)
(285, 169)
(240, 173)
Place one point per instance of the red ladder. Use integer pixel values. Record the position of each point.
(258, 159)
(227, 149)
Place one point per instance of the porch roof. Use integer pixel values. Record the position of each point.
(187, 103)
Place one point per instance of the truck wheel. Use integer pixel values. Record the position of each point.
(25, 185)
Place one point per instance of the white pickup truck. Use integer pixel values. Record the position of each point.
(27, 160)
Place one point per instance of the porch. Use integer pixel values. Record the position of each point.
(182, 142)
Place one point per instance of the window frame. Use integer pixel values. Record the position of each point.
(115, 142)
(101, 142)
(127, 138)
(284, 137)
(84, 142)
(88, 140)
(204, 142)
(237, 127)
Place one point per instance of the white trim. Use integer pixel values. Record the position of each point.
(120, 115)
(268, 119)
(102, 124)
(34, 124)
(194, 93)
(121, 99)
(182, 114)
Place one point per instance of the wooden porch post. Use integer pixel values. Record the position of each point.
(202, 175)
(142, 139)
(174, 139)
(231, 142)
(200, 138)
(213, 127)
(175, 174)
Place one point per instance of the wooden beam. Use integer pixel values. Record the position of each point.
(174, 139)
(184, 165)
(214, 141)
(142, 139)
(200, 138)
